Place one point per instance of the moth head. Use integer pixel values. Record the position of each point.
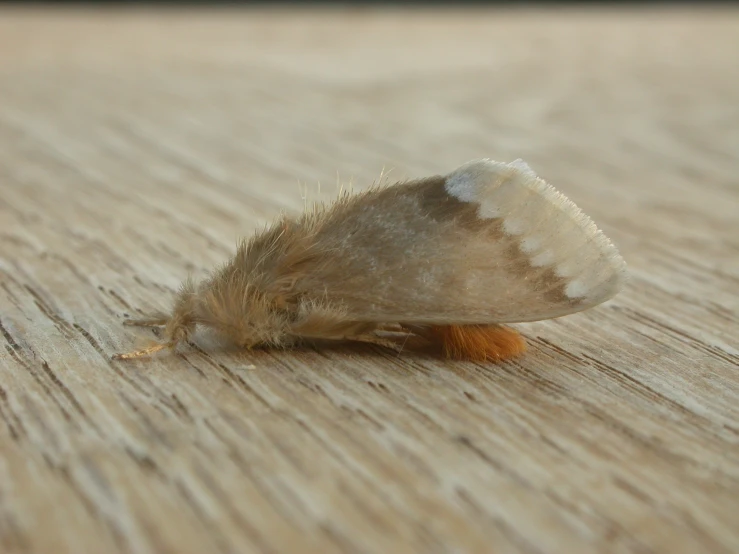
(237, 309)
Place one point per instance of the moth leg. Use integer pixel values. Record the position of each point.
(379, 341)
(392, 328)
(326, 322)
(144, 352)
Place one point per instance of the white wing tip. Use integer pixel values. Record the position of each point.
(466, 182)
(504, 191)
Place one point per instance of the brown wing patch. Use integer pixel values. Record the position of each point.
(436, 203)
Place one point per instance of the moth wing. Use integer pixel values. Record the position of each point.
(488, 243)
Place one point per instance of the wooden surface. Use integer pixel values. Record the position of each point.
(136, 148)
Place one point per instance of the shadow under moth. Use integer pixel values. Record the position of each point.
(448, 259)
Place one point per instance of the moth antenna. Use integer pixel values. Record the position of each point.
(148, 351)
(179, 325)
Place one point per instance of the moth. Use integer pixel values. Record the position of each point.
(450, 259)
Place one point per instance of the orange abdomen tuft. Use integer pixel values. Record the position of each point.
(478, 342)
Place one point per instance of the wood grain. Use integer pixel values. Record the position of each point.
(136, 148)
